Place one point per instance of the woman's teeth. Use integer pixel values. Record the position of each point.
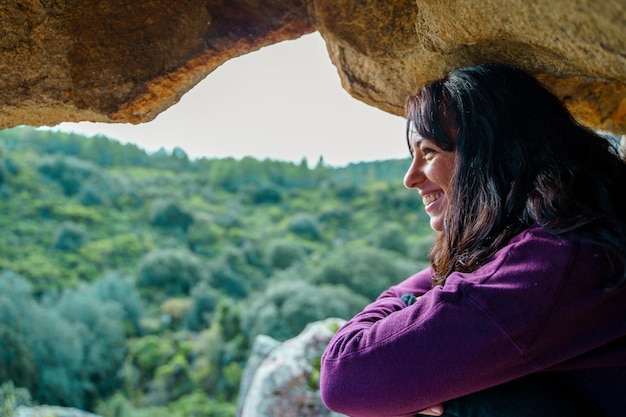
(430, 198)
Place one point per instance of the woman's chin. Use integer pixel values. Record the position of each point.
(436, 223)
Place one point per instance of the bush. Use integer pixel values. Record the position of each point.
(348, 192)
(70, 173)
(89, 195)
(287, 306)
(266, 195)
(171, 271)
(65, 351)
(122, 290)
(150, 352)
(420, 248)
(336, 217)
(198, 404)
(16, 358)
(169, 214)
(235, 271)
(306, 226)
(228, 280)
(12, 397)
(174, 310)
(98, 325)
(204, 236)
(365, 270)
(390, 236)
(203, 306)
(69, 237)
(283, 253)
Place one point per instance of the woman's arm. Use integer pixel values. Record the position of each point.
(416, 284)
(476, 332)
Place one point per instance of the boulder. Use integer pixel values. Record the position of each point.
(282, 380)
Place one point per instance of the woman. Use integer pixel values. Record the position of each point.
(524, 302)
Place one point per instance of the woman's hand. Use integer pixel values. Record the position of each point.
(435, 410)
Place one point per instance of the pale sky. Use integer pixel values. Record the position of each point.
(282, 102)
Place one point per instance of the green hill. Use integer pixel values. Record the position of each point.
(127, 278)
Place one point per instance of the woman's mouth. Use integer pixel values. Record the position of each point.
(431, 198)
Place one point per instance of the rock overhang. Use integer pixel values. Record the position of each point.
(126, 61)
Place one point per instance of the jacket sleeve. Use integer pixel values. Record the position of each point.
(394, 360)
(417, 285)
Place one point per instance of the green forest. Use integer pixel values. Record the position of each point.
(133, 284)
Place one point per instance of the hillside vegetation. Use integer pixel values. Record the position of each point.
(133, 284)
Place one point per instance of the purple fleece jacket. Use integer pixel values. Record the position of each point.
(539, 304)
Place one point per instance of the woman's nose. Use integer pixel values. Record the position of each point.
(415, 174)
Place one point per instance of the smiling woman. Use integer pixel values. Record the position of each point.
(522, 310)
(282, 102)
(431, 172)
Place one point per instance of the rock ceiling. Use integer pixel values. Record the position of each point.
(128, 60)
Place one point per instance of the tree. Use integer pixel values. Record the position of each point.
(172, 271)
(12, 397)
(98, 325)
(305, 225)
(390, 236)
(70, 172)
(283, 253)
(69, 237)
(204, 303)
(365, 270)
(288, 305)
(266, 195)
(204, 236)
(114, 287)
(169, 214)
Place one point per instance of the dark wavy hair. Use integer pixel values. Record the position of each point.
(521, 160)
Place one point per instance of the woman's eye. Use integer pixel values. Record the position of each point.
(427, 153)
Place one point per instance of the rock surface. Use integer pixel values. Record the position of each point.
(127, 61)
(282, 380)
(51, 411)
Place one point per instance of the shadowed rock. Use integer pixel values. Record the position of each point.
(127, 61)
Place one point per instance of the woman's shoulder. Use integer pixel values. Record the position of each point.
(542, 243)
(540, 252)
(539, 235)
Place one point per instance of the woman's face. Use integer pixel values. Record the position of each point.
(431, 173)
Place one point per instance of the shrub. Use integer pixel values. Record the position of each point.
(69, 237)
(89, 195)
(171, 271)
(98, 325)
(420, 248)
(306, 226)
(283, 253)
(169, 214)
(68, 348)
(174, 310)
(204, 302)
(122, 290)
(70, 172)
(336, 217)
(204, 236)
(235, 271)
(197, 403)
(266, 195)
(365, 270)
(348, 192)
(287, 306)
(12, 397)
(390, 236)
(149, 352)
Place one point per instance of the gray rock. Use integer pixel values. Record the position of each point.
(51, 411)
(285, 383)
